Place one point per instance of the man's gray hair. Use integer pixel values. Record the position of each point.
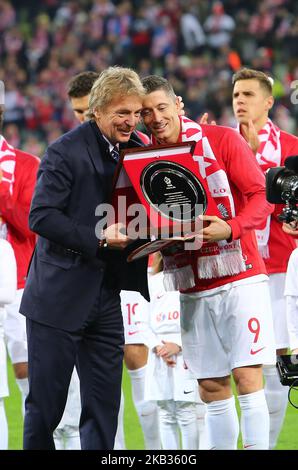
(114, 82)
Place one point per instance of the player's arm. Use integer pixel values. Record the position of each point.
(245, 174)
(15, 207)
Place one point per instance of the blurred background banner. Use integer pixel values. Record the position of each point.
(2, 93)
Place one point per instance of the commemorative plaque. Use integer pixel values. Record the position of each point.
(172, 190)
(167, 183)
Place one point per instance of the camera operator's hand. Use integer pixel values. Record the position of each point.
(289, 229)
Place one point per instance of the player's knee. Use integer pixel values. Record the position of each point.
(167, 413)
(135, 356)
(248, 379)
(277, 400)
(21, 370)
(146, 408)
(215, 389)
(187, 415)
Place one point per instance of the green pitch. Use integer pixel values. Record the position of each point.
(288, 439)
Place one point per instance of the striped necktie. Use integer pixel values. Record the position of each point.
(115, 154)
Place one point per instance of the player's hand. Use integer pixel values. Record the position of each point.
(216, 230)
(250, 134)
(204, 120)
(181, 111)
(171, 361)
(168, 349)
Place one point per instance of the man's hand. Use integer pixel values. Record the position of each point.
(115, 237)
(216, 230)
(250, 134)
(289, 229)
(204, 120)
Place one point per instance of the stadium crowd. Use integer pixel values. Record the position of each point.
(196, 45)
(200, 48)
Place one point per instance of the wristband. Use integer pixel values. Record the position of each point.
(102, 241)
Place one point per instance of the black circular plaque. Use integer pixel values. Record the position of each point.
(173, 190)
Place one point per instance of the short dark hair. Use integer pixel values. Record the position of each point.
(80, 85)
(155, 82)
(248, 74)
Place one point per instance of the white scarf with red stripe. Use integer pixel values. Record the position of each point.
(216, 259)
(7, 165)
(268, 156)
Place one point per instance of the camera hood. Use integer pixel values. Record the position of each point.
(272, 175)
(287, 367)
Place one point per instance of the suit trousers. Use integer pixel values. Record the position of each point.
(97, 351)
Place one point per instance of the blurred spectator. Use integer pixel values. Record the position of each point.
(192, 31)
(141, 35)
(14, 104)
(261, 24)
(43, 44)
(7, 15)
(283, 119)
(33, 145)
(13, 135)
(164, 39)
(219, 27)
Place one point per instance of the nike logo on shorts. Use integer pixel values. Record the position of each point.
(132, 332)
(186, 393)
(249, 445)
(256, 351)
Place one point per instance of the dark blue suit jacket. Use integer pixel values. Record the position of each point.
(65, 275)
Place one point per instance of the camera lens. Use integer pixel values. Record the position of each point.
(290, 188)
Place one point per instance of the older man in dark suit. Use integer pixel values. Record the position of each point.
(71, 300)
